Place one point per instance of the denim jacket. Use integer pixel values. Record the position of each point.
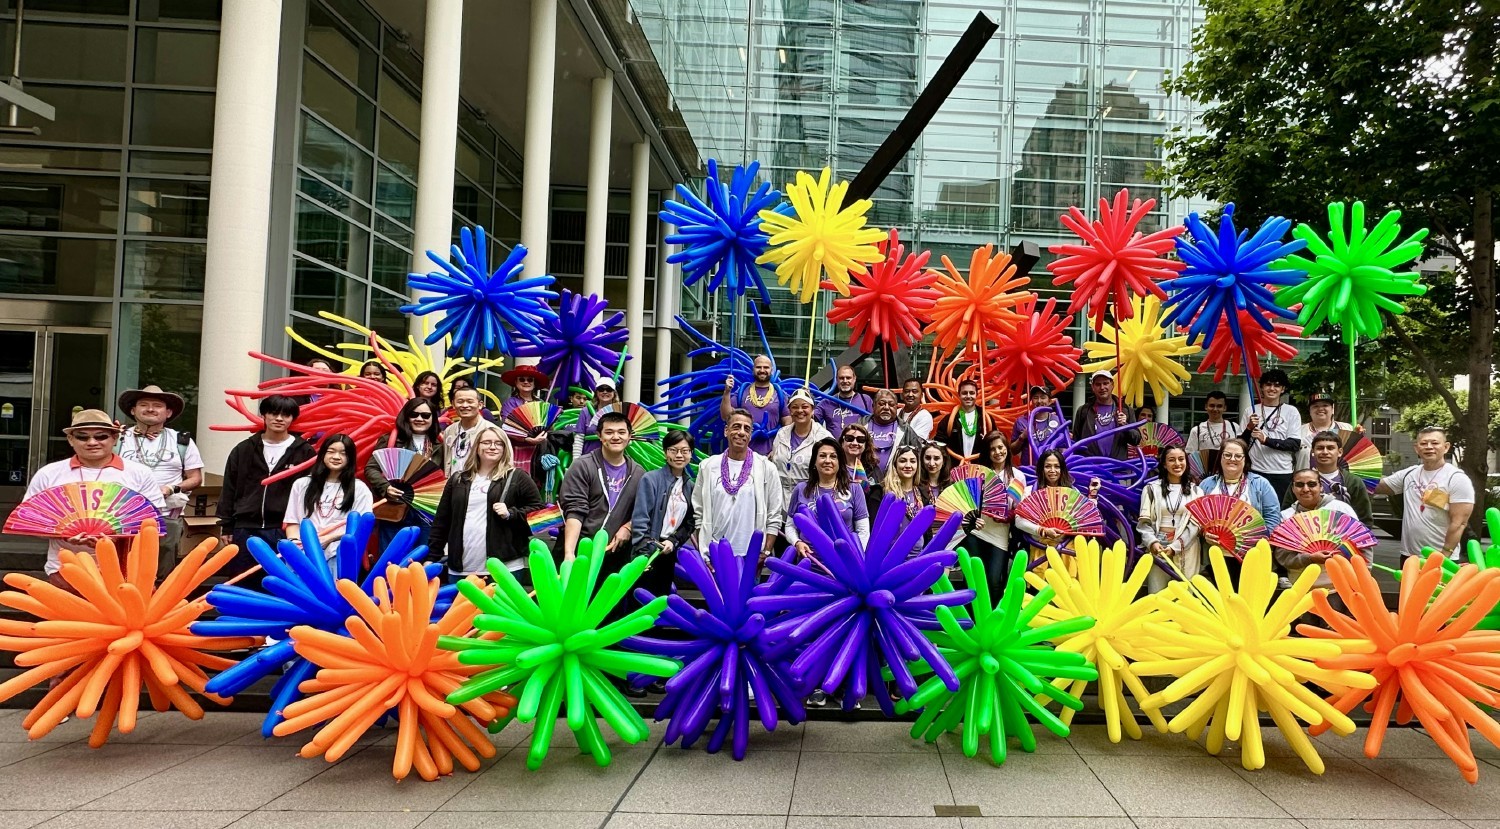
(651, 510)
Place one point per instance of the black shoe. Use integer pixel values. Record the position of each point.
(817, 699)
(634, 693)
(658, 687)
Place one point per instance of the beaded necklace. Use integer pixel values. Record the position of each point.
(760, 401)
(969, 422)
(734, 486)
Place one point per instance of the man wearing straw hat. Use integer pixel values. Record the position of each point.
(171, 456)
(92, 435)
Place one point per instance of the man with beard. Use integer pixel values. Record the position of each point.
(850, 406)
(762, 400)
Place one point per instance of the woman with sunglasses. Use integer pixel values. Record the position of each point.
(416, 429)
(859, 454)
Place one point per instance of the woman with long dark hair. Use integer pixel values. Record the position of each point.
(932, 476)
(829, 475)
(858, 452)
(1165, 529)
(327, 494)
(416, 429)
(429, 385)
(989, 539)
(1052, 472)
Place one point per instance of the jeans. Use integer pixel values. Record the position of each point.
(243, 560)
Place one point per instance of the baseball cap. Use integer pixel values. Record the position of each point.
(1101, 373)
(1322, 397)
(1035, 389)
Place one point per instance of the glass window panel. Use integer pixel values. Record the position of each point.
(337, 103)
(393, 231)
(332, 41)
(391, 265)
(508, 212)
(334, 157)
(159, 344)
(185, 10)
(356, 15)
(167, 207)
(330, 238)
(177, 164)
(400, 103)
(41, 158)
(177, 57)
(395, 196)
(474, 164)
(98, 8)
(386, 317)
(469, 203)
(163, 270)
(59, 203)
(83, 114)
(316, 288)
(333, 197)
(399, 54)
(63, 52)
(397, 148)
(173, 119)
(31, 264)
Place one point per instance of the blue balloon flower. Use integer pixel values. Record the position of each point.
(299, 590)
(867, 610)
(720, 233)
(724, 654)
(695, 394)
(572, 347)
(1229, 272)
(484, 310)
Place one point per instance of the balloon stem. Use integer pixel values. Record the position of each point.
(620, 366)
(812, 323)
(1249, 381)
(1353, 393)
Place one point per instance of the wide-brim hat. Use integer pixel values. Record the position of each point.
(130, 397)
(509, 378)
(92, 419)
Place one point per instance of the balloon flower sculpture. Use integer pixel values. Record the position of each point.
(720, 233)
(890, 301)
(1235, 651)
(1427, 659)
(1036, 350)
(408, 358)
(390, 663)
(483, 310)
(1004, 664)
(722, 648)
(869, 607)
(574, 349)
(1143, 354)
(117, 634)
(554, 649)
(1115, 260)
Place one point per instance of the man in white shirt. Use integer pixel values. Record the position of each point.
(1274, 433)
(1320, 420)
(1207, 438)
(738, 493)
(171, 456)
(912, 413)
(1438, 497)
(458, 438)
(92, 436)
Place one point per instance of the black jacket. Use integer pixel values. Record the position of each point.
(243, 502)
(505, 538)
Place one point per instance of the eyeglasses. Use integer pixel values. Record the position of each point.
(854, 439)
(101, 437)
(680, 450)
(491, 443)
(421, 415)
(1306, 484)
(1233, 457)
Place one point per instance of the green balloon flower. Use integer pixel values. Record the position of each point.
(1003, 664)
(1351, 278)
(554, 649)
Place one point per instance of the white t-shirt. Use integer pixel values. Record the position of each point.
(274, 451)
(161, 455)
(326, 512)
(737, 512)
(1424, 523)
(677, 506)
(1210, 437)
(1278, 422)
(476, 527)
(125, 473)
(920, 422)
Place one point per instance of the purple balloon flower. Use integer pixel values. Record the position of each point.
(868, 609)
(572, 347)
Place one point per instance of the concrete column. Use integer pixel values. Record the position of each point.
(234, 280)
(635, 286)
(436, 159)
(668, 286)
(595, 228)
(1164, 411)
(536, 163)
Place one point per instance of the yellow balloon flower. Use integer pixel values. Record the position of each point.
(1234, 649)
(1145, 354)
(1102, 590)
(821, 237)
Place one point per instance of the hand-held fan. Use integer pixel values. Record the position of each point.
(419, 478)
(1364, 460)
(985, 493)
(1160, 435)
(96, 508)
(527, 418)
(1324, 532)
(1227, 522)
(1062, 509)
(643, 425)
(970, 470)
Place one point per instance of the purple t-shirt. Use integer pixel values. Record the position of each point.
(1037, 426)
(767, 417)
(852, 505)
(836, 416)
(885, 438)
(614, 480)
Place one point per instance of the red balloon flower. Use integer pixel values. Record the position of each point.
(890, 301)
(1224, 355)
(1036, 350)
(1115, 260)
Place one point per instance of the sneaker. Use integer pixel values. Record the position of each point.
(1283, 583)
(658, 687)
(817, 699)
(858, 704)
(633, 692)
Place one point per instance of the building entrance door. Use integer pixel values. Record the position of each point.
(46, 373)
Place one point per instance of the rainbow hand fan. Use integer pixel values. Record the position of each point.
(95, 508)
(1063, 509)
(527, 418)
(1227, 522)
(1160, 435)
(643, 424)
(986, 493)
(970, 470)
(1324, 532)
(416, 475)
(1364, 460)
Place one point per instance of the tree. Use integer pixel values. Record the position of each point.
(1392, 102)
(1434, 412)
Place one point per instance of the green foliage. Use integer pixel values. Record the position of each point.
(1434, 412)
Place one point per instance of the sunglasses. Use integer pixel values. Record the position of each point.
(1306, 484)
(854, 440)
(101, 437)
(421, 415)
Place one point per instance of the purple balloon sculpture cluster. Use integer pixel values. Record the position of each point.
(572, 347)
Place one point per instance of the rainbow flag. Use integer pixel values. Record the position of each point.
(1017, 489)
(544, 519)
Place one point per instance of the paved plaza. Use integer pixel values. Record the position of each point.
(177, 774)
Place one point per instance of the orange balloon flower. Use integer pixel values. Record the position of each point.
(116, 634)
(977, 307)
(942, 397)
(390, 661)
(1427, 658)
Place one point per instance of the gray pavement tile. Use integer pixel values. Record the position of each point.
(215, 729)
(259, 775)
(16, 752)
(23, 819)
(627, 820)
(141, 820)
(1036, 785)
(1094, 739)
(876, 737)
(1482, 824)
(894, 785)
(267, 819)
(1439, 783)
(1345, 790)
(1199, 786)
(828, 822)
(567, 781)
(1390, 824)
(1483, 748)
(514, 820)
(1050, 823)
(1398, 743)
(69, 732)
(519, 733)
(76, 774)
(363, 783)
(1216, 823)
(699, 783)
(1046, 743)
